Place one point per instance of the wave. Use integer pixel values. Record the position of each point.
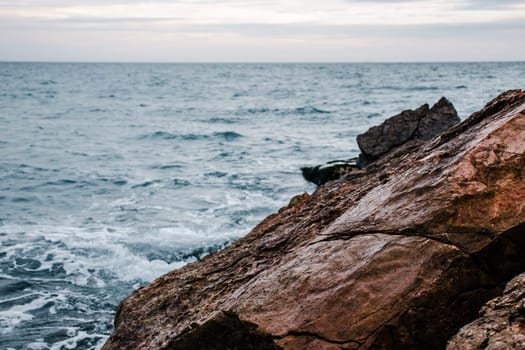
(410, 89)
(60, 182)
(181, 183)
(118, 182)
(216, 174)
(303, 110)
(164, 135)
(110, 96)
(167, 166)
(192, 137)
(310, 110)
(98, 110)
(227, 135)
(9, 286)
(24, 199)
(240, 94)
(219, 120)
(146, 184)
(48, 82)
(260, 110)
(32, 168)
(159, 135)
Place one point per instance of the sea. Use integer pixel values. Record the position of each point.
(114, 174)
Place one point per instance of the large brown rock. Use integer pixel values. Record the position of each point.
(501, 324)
(397, 256)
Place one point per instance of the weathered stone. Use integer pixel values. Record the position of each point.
(501, 324)
(398, 256)
(422, 123)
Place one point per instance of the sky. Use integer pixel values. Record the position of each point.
(262, 30)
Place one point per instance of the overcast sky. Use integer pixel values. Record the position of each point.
(262, 30)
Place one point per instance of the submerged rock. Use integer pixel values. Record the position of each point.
(501, 324)
(398, 256)
(421, 124)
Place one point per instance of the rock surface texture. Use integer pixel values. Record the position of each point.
(501, 325)
(421, 124)
(399, 255)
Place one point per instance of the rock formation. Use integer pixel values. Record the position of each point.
(501, 325)
(421, 124)
(409, 126)
(397, 256)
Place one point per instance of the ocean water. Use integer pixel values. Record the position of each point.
(113, 174)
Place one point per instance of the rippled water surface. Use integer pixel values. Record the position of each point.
(112, 174)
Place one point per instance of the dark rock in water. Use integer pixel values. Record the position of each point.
(333, 170)
(399, 255)
(501, 324)
(422, 123)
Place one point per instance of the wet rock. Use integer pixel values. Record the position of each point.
(501, 324)
(409, 126)
(399, 255)
(223, 331)
(423, 123)
(332, 170)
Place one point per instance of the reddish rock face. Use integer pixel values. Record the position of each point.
(399, 255)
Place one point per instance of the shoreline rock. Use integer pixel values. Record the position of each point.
(422, 123)
(397, 256)
(407, 127)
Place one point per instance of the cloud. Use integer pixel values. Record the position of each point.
(464, 3)
(272, 30)
(335, 12)
(492, 5)
(384, 1)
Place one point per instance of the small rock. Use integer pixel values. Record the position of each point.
(332, 170)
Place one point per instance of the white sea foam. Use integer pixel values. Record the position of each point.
(38, 345)
(18, 313)
(84, 254)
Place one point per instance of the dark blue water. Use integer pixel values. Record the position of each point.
(112, 174)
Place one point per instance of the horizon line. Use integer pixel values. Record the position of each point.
(259, 62)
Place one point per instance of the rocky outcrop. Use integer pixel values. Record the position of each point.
(423, 123)
(409, 127)
(397, 256)
(501, 324)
